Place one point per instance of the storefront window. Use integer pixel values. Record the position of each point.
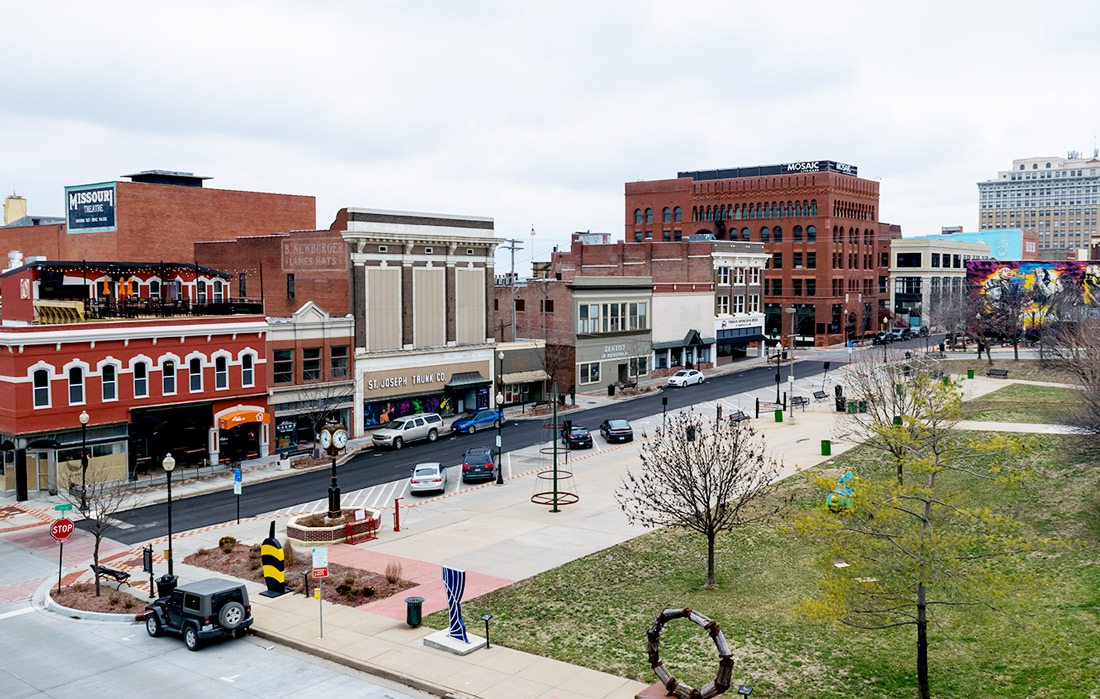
(590, 373)
(639, 366)
(380, 412)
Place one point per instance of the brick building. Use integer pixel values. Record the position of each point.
(817, 220)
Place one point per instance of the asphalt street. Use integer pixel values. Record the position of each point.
(378, 466)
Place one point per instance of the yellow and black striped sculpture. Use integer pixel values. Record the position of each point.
(273, 558)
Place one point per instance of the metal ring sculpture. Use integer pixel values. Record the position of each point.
(672, 685)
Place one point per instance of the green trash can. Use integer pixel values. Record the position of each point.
(863, 406)
(853, 408)
(969, 373)
(414, 611)
(826, 447)
(779, 416)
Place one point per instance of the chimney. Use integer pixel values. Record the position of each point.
(15, 207)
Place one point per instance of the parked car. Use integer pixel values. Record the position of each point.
(686, 377)
(897, 335)
(481, 420)
(577, 438)
(617, 431)
(428, 478)
(881, 338)
(908, 333)
(199, 611)
(923, 332)
(477, 465)
(397, 433)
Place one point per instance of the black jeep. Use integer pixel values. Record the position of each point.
(202, 610)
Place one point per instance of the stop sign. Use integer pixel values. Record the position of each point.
(61, 529)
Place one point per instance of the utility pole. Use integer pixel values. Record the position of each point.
(512, 246)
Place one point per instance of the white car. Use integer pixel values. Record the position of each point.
(427, 478)
(685, 377)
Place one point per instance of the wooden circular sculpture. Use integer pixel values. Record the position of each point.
(675, 687)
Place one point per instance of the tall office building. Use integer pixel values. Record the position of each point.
(1055, 197)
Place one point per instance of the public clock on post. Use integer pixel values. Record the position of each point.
(340, 438)
(326, 438)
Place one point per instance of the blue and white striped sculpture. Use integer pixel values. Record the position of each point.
(454, 581)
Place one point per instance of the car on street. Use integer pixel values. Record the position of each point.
(685, 377)
(898, 334)
(428, 478)
(909, 333)
(405, 430)
(477, 465)
(200, 611)
(577, 438)
(881, 338)
(617, 431)
(481, 420)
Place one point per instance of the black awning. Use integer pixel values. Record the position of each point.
(467, 379)
(743, 339)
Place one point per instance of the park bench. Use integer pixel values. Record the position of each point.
(799, 402)
(997, 373)
(119, 576)
(739, 416)
(628, 386)
(821, 395)
(936, 355)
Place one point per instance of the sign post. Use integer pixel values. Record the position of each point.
(147, 566)
(237, 484)
(60, 530)
(320, 572)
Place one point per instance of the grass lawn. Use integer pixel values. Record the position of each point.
(594, 611)
(1024, 403)
(1027, 369)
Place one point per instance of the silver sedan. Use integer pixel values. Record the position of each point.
(428, 478)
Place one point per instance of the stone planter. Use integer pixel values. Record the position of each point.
(337, 533)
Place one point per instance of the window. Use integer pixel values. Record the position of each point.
(248, 370)
(290, 285)
(797, 233)
(796, 261)
(242, 285)
(777, 287)
(613, 317)
(548, 305)
(723, 275)
(754, 303)
(168, 377)
(41, 388)
(339, 362)
(283, 365)
(777, 234)
(109, 379)
(667, 215)
(637, 217)
(765, 235)
(738, 304)
(777, 260)
(754, 275)
(744, 234)
(194, 373)
(589, 318)
(639, 366)
(221, 373)
(649, 215)
(723, 305)
(154, 289)
(811, 260)
(811, 234)
(521, 305)
(908, 259)
(811, 287)
(200, 286)
(639, 316)
(76, 386)
(678, 215)
(218, 294)
(311, 364)
(590, 373)
(796, 287)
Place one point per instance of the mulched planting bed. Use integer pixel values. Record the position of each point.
(348, 586)
(82, 596)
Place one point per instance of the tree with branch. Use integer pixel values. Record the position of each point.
(1072, 344)
(1002, 311)
(702, 477)
(105, 499)
(904, 551)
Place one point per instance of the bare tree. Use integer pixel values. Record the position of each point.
(1002, 312)
(702, 477)
(319, 402)
(105, 498)
(1072, 344)
(950, 312)
(557, 362)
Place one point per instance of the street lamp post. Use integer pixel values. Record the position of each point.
(884, 339)
(791, 311)
(84, 417)
(500, 415)
(169, 463)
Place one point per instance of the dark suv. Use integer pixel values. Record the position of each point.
(477, 465)
(212, 608)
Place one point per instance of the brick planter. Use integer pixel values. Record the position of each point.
(301, 535)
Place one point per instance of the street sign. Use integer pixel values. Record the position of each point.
(320, 562)
(61, 529)
(237, 475)
(147, 559)
(237, 488)
(63, 507)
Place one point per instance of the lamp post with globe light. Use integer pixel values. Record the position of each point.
(84, 418)
(500, 414)
(169, 464)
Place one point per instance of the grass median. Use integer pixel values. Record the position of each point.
(594, 611)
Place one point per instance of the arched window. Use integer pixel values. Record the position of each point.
(678, 214)
(141, 380)
(667, 215)
(221, 373)
(775, 211)
(109, 380)
(76, 386)
(765, 234)
(637, 217)
(744, 234)
(811, 234)
(797, 233)
(813, 207)
(168, 377)
(218, 296)
(777, 234)
(41, 388)
(649, 215)
(798, 208)
(194, 371)
(695, 213)
(200, 287)
(247, 370)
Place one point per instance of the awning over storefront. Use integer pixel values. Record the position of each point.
(741, 339)
(525, 376)
(693, 338)
(467, 379)
(240, 417)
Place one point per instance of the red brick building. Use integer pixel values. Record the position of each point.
(817, 220)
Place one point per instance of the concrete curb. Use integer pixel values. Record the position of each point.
(42, 600)
(361, 665)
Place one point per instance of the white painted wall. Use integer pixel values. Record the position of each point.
(675, 314)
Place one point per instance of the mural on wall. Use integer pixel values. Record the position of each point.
(382, 411)
(1050, 285)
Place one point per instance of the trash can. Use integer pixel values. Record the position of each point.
(610, 389)
(826, 447)
(166, 584)
(853, 408)
(414, 612)
(969, 373)
(863, 406)
(779, 416)
(841, 404)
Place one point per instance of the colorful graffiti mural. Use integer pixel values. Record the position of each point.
(1050, 286)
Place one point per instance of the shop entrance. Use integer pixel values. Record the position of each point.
(239, 443)
(181, 430)
(38, 471)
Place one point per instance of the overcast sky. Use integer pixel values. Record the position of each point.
(536, 113)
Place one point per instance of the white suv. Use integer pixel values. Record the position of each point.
(410, 428)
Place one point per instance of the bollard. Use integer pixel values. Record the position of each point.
(397, 514)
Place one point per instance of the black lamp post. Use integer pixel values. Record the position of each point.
(84, 417)
(169, 463)
(486, 618)
(500, 416)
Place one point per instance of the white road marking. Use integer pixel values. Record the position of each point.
(17, 612)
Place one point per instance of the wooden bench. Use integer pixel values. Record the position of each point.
(628, 386)
(821, 395)
(739, 416)
(799, 402)
(997, 373)
(119, 576)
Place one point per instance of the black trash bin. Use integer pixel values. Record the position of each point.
(166, 584)
(414, 612)
(610, 389)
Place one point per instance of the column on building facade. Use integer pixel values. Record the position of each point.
(359, 303)
(489, 295)
(451, 303)
(407, 310)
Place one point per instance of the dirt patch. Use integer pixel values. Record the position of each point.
(320, 520)
(348, 586)
(82, 596)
